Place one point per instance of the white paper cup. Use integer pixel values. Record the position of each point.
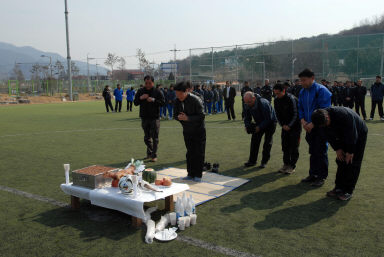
(193, 219)
(172, 218)
(181, 223)
(187, 221)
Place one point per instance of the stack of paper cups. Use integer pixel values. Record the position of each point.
(66, 169)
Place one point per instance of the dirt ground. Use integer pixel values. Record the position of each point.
(49, 99)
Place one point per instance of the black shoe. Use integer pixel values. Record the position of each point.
(249, 164)
(207, 166)
(345, 196)
(215, 168)
(262, 165)
(334, 192)
(318, 182)
(309, 179)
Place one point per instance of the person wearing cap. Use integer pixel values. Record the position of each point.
(314, 96)
(188, 110)
(347, 134)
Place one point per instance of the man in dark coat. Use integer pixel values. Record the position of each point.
(229, 94)
(377, 93)
(150, 99)
(189, 112)
(288, 118)
(347, 134)
(107, 98)
(360, 92)
(259, 120)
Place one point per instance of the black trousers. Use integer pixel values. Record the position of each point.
(348, 174)
(243, 110)
(360, 104)
(195, 144)
(267, 146)
(290, 142)
(230, 110)
(108, 103)
(318, 147)
(129, 105)
(151, 136)
(118, 104)
(379, 106)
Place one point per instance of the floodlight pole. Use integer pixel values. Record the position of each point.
(293, 68)
(68, 52)
(190, 65)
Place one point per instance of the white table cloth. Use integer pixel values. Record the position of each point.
(112, 198)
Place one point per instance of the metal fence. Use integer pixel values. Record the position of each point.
(330, 57)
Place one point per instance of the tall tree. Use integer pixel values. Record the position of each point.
(75, 70)
(35, 71)
(144, 64)
(122, 63)
(59, 69)
(17, 73)
(111, 60)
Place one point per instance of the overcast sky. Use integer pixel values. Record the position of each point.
(121, 26)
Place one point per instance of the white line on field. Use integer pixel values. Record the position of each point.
(103, 129)
(185, 239)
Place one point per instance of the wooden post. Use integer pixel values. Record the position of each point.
(169, 204)
(136, 222)
(75, 202)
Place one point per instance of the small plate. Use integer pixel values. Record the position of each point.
(159, 236)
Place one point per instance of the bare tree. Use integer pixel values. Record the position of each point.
(111, 60)
(35, 71)
(122, 63)
(60, 70)
(144, 64)
(75, 70)
(17, 73)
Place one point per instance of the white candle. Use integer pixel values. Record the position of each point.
(66, 168)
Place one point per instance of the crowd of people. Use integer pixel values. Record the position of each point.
(304, 104)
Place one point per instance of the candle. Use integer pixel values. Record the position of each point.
(66, 168)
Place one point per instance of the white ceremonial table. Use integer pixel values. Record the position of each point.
(112, 198)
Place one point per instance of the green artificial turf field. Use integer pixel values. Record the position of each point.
(272, 215)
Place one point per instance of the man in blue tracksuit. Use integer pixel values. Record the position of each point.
(118, 93)
(130, 96)
(314, 96)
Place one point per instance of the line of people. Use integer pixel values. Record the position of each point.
(118, 93)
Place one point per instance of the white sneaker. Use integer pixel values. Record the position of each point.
(382, 118)
(370, 118)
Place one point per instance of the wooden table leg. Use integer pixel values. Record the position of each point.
(169, 204)
(136, 222)
(75, 202)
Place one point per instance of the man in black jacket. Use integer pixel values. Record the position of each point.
(229, 94)
(360, 92)
(348, 95)
(261, 111)
(244, 90)
(288, 118)
(150, 100)
(189, 112)
(266, 91)
(107, 98)
(347, 134)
